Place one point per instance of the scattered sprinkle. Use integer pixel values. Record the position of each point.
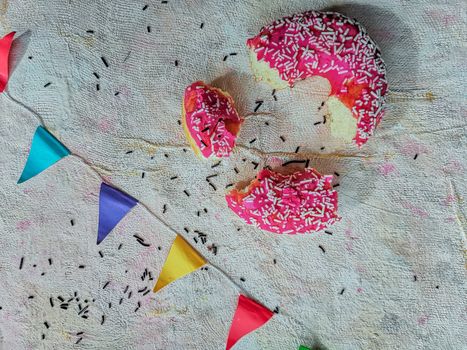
(201, 26)
(294, 162)
(321, 247)
(48, 84)
(21, 263)
(415, 156)
(342, 291)
(283, 138)
(105, 61)
(258, 105)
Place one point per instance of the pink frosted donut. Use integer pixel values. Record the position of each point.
(332, 46)
(210, 120)
(298, 203)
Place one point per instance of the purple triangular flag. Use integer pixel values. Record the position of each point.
(113, 206)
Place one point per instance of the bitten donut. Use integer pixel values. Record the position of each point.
(210, 120)
(298, 203)
(332, 46)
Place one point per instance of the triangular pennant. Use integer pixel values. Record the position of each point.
(303, 348)
(113, 206)
(249, 316)
(45, 151)
(5, 46)
(182, 260)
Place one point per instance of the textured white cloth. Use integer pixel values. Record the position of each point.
(393, 272)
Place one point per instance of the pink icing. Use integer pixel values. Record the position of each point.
(211, 119)
(298, 203)
(333, 46)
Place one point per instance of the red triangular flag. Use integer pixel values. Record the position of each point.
(5, 46)
(249, 316)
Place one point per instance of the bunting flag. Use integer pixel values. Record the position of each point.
(113, 206)
(5, 46)
(182, 260)
(45, 151)
(303, 348)
(249, 316)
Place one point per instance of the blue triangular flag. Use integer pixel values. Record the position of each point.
(113, 206)
(45, 151)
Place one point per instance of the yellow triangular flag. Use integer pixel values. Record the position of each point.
(182, 260)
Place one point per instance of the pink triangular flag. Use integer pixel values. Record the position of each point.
(5, 46)
(249, 316)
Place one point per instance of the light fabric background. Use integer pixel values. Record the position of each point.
(393, 272)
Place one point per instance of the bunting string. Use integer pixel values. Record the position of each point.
(146, 208)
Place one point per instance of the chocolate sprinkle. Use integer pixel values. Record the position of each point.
(48, 84)
(415, 156)
(342, 291)
(21, 263)
(294, 162)
(105, 61)
(320, 247)
(258, 105)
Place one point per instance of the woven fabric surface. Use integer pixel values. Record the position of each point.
(391, 275)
